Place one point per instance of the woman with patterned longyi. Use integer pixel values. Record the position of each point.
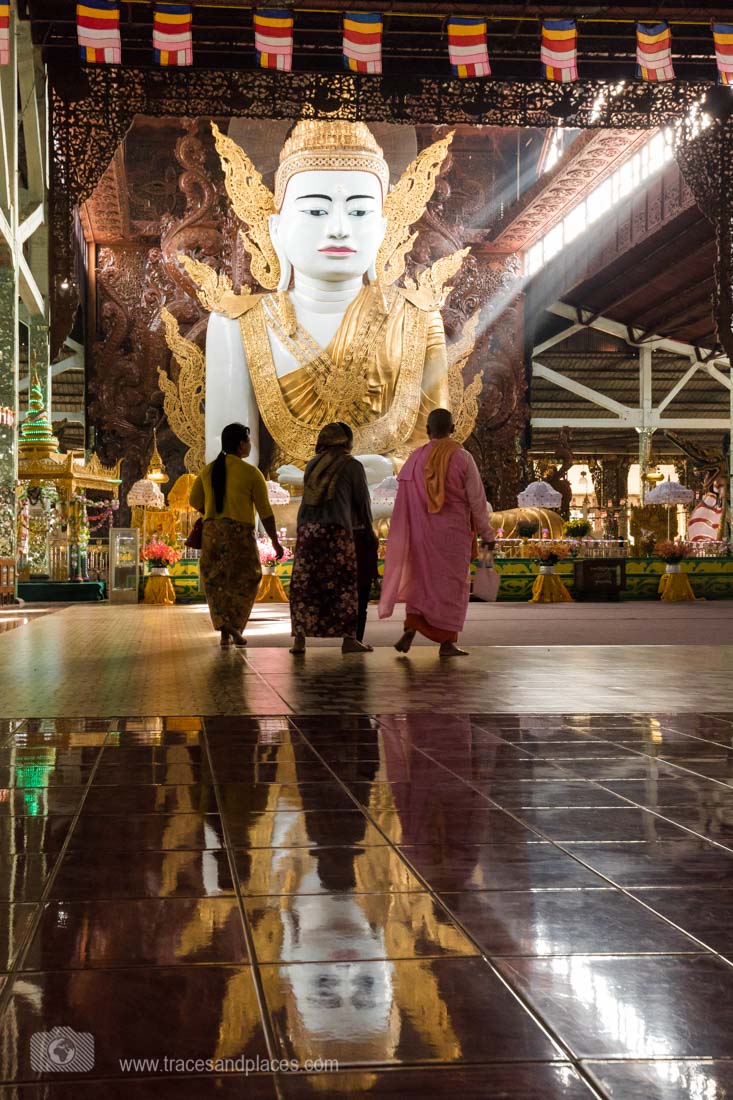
(228, 492)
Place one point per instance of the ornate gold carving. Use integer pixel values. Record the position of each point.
(210, 285)
(315, 146)
(70, 473)
(214, 291)
(430, 291)
(297, 438)
(340, 386)
(183, 403)
(404, 205)
(464, 401)
(253, 203)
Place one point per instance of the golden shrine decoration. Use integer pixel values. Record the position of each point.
(184, 402)
(253, 202)
(404, 205)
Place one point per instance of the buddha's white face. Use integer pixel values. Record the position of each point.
(330, 225)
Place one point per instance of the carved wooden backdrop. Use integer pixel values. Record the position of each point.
(177, 203)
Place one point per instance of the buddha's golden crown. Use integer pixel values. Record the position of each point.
(317, 146)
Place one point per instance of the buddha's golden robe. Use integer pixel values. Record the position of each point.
(399, 379)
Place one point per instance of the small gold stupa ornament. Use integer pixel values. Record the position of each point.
(654, 475)
(36, 436)
(156, 469)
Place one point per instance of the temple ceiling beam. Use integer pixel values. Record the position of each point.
(633, 335)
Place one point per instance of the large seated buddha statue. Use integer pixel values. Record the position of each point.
(332, 336)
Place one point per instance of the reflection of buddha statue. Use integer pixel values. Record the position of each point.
(322, 343)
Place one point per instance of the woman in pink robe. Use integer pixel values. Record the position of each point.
(440, 504)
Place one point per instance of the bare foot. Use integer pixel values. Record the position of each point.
(298, 645)
(450, 649)
(225, 641)
(405, 641)
(239, 640)
(350, 645)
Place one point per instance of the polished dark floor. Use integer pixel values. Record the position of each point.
(485, 906)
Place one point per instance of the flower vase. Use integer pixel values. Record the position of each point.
(673, 567)
(268, 569)
(159, 571)
(547, 570)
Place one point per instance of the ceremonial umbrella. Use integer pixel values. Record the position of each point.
(385, 492)
(539, 495)
(669, 493)
(145, 494)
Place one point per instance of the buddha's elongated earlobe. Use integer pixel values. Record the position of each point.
(286, 269)
(372, 272)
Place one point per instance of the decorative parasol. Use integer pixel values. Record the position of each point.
(385, 492)
(669, 493)
(277, 494)
(539, 495)
(146, 494)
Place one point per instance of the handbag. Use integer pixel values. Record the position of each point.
(486, 582)
(195, 538)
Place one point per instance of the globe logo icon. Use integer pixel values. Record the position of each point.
(61, 1051)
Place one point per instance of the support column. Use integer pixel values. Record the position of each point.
(645, 405)
(645, 447)
(10, 252)
(8, 400)
(613, 480)
(39, 358)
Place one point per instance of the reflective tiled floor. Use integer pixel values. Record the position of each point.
(482, 905)
(112, 659)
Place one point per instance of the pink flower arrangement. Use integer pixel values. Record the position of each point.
(159, 554)
(267, 553)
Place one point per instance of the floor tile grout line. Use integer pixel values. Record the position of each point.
(616, 886)
(251, 665)
(34, 923)
(568, 775)
(269, 1034)
(559, 845)
(528, 1008)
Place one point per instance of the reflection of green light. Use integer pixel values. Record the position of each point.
(33, 803)
(32, 776)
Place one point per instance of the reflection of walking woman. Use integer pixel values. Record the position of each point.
(228, 491)
(323, 595)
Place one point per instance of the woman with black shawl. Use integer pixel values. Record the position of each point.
(323, 588)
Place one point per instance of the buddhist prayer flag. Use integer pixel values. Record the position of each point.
(274, 38)
(469, 55)
(559, 50)
(723, 38)
(98, 32)
(4, 36)
(172, 38)
(654, 52)
(363, 41)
